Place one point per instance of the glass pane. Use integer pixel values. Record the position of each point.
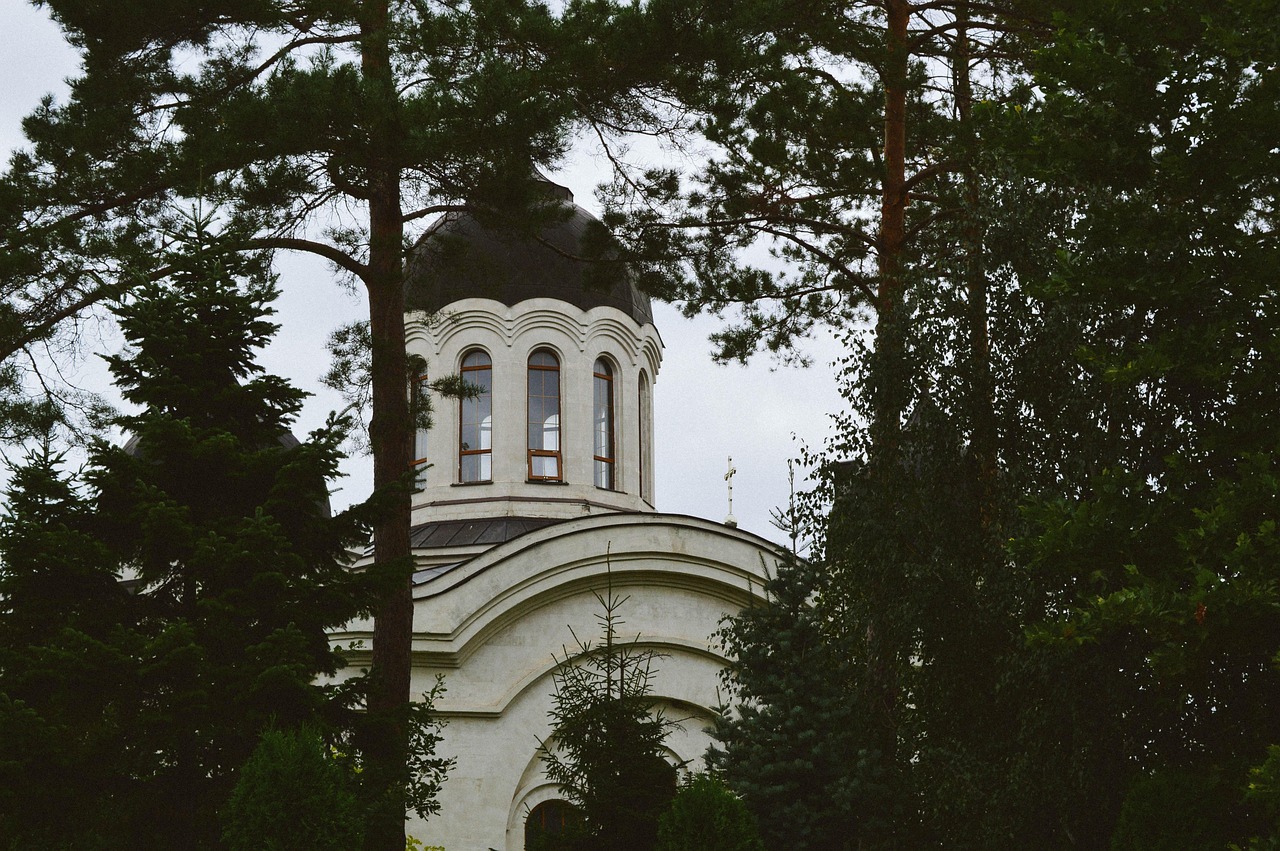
(604, 474)
(551, 433)
(602, 424)
(546, 466)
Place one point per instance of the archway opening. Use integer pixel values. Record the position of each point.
(549, 822)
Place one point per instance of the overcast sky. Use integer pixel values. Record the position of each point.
(703, 412)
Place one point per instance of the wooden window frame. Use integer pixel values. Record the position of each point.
(610, 458)
(465, 453)
(553, 817)
(532, 453)
(644, 415)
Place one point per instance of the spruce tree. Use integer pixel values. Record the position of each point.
(217, 522)
(67, 668)
(224, 520)
(605, 751)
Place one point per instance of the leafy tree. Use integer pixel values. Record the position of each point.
(1096, 347)
(706, 816)
(848, 143)
(1264, 790)
(605, 751)
(1151, 515)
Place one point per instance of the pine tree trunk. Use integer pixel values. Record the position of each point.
(889, 368)
(386, 739)
(889, 377)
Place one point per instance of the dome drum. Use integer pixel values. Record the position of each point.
(565, 353)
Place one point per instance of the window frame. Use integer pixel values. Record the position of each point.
(609, 459)
(552, 817)
(530, 452)
(644, 416)
(464, 453)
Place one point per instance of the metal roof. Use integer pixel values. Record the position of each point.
(470, 255)
(467, 533)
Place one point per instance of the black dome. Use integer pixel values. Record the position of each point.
(462, 257)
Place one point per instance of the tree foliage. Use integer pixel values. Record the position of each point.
(329, 128)
(795, 745)
(706, 816)
(182, 603)
(605, 751)
(1055, 593)
(292, 794)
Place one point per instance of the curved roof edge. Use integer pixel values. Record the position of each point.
(530, 532)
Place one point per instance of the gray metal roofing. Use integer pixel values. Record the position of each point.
(467, 533)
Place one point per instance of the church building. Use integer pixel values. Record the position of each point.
(536, 495)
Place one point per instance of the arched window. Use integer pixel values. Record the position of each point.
(475, 445)
(646, 439)
(544, 416)
(603, 425)
(550, 818)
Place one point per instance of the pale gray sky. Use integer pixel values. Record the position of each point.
(703, 412)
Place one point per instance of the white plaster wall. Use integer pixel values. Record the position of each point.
(497, 625)
(509, 335)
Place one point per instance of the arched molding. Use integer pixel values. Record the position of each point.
(537, 323)
(464, 318)
(696, 533)
(514, 579)
(652, 351)
(467, 326)
(534, 788)
(523, 803)
(421, 328)
(606, 334)
(537, 680)
(463, 354)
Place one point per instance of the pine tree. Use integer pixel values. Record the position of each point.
(327, 128)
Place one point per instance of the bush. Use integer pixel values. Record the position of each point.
(292, 795)
(707, 816)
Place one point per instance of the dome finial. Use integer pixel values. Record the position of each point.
(730, 520)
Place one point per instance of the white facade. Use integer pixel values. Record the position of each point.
(509, 336)
(509, 564)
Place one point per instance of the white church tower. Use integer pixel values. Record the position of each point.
(534, 495)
